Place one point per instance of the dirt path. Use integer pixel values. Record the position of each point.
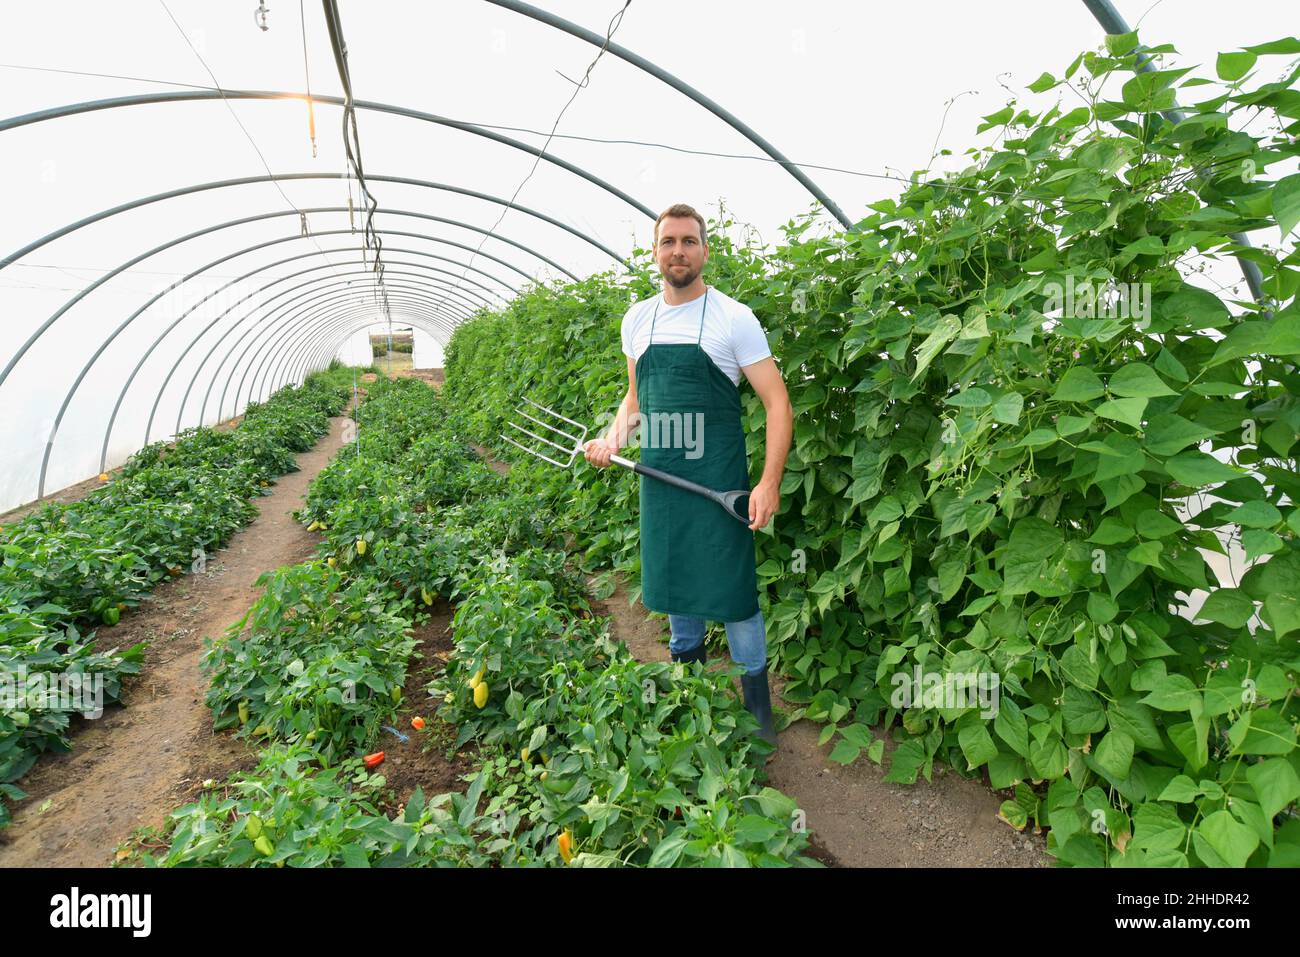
(135, 764)
(857, 819)
(426, 759)
(434, 377)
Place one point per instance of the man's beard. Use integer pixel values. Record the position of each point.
(681, 280)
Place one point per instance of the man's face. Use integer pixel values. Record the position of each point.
(680, 254)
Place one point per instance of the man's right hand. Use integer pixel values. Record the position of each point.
(598, 452)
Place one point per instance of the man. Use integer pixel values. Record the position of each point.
(686, 351)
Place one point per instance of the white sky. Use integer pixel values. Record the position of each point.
(857, 85)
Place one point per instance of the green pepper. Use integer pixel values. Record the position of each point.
(264, 846)
(557, 785)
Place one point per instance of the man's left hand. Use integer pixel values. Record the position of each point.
(764, 501)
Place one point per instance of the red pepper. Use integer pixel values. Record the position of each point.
(373, 761)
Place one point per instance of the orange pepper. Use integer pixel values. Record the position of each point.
(373, 761)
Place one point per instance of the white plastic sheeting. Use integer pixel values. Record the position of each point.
(428, 352)
(858, 87)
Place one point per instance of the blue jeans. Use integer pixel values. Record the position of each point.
(747, 639)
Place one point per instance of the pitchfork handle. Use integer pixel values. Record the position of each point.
(681, 483)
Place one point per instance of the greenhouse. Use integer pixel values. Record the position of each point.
(951, 348)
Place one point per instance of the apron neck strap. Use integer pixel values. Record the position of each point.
(703, 308)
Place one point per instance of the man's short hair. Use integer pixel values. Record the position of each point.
(681, 209)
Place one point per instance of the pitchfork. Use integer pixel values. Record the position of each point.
(577, 442)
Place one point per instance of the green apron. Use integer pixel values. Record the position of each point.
(695, 560)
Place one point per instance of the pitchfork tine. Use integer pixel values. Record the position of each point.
(556, 414)
(534, 452)
(575, 441)
(571, 438)
(541, 438)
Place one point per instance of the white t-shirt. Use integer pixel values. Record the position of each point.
(732, 336)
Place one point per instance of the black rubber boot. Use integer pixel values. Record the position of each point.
(758, 702)
(695, 654)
